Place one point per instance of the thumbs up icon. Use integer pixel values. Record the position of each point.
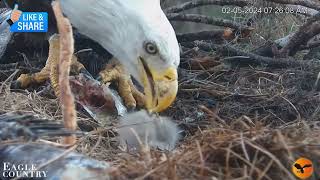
(15, 15)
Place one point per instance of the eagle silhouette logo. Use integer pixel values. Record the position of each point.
(298, 166)
(302, 168)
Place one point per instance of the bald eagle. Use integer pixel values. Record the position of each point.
(139, 35)
(136, 32)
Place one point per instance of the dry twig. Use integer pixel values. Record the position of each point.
(310, 29)
(215, 35)
(194, 4)
(197, 18)
(242, 57)
(309, 4)
(66, 51)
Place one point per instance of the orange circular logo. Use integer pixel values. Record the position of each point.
(302, 168)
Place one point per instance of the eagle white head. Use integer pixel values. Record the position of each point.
(138, 33)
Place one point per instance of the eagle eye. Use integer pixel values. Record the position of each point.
(151, 48)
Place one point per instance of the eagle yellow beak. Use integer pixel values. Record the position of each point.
(160, 87)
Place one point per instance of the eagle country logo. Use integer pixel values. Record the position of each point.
(17, 171)
(302, 168)
(28, 21)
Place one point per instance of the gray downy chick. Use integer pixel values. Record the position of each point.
(152, 130)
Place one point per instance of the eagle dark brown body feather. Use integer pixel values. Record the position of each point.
(70, 166)
(18, 133)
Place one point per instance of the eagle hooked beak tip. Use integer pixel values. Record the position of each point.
(160, 87)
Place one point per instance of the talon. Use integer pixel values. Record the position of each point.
(15, 85)
(85, 73)
(24, 81)
(130, 109)
(114, 72)
(99, 78)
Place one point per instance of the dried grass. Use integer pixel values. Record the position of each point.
(264, 120)
(231, 152)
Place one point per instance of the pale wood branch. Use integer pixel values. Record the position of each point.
(66, 51)
(197, 18)
(306, 32)
(305, 3)
(195, 4)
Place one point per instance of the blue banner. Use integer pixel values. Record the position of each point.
(31, 22)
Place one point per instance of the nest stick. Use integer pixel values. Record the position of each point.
(198, 18)
(306, 32)
(66, 51)
(198, 3)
